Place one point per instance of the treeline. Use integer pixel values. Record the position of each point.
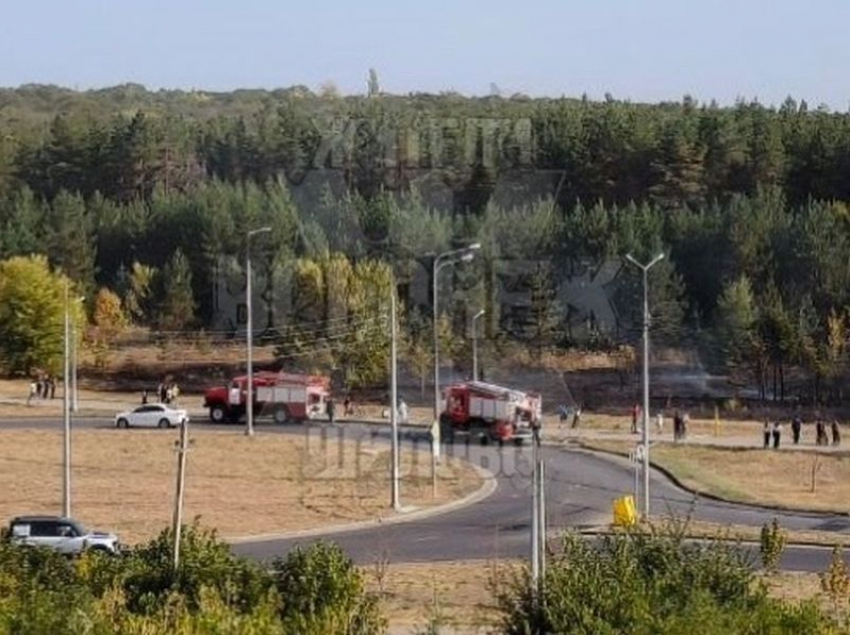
(759, 284)
(151, 195)
(125, 142)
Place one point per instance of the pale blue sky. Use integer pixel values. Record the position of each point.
(644, 50)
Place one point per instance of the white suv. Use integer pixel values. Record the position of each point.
(64, 535)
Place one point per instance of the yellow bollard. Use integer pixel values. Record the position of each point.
(624, 511)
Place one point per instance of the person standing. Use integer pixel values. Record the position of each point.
(576, 417)
(777, 434)
(768, 429)
(330, 408)
(659, 422)
(635, 417)
(144, 397)
(677, 426)
(402, 411)
(796, 428)
(836, 433)
(820, 433)
(33, 389)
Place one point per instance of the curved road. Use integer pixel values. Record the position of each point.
(580, 488)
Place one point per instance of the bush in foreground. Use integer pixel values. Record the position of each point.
(654, 583)
(317, 590)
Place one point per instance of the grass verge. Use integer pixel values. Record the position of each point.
(123, 480)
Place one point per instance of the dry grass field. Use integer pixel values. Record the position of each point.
(123, 480)
(456, 596)
(806, 480)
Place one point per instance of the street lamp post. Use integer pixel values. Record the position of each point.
(464, 254)
(475, 344)
(645, 435)
(66, 414)
(75, 403)
(249, 388)
(394, 489)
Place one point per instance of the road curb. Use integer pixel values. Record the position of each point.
(488, 486)
(749, 542)
(580, 446)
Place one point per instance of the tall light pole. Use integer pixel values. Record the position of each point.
(444, 259)
(75, 404)
(645, 435)
(396, 504)
(66, 415)
(475, 344)
(249, 388)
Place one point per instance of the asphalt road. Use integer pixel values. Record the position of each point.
(580, 489)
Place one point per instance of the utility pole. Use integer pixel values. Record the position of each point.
(541, 521)
(177, 521)
(475, 344)
(66, 416)
(75, 404)
(394, 399)
(645, 433)
(535, 520)
(249, 335)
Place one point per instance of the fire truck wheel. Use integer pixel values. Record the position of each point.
(519, 441)
(485, 440)
(217, 414)
(281, 415)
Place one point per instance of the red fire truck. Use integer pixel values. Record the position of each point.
(284, 396)
(494, 412)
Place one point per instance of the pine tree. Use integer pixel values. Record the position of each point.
(177, 310)
(70, 239)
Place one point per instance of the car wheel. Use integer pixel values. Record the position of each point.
(217, 414)
(122, 423)
(164, 423)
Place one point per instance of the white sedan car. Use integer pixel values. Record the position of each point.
(155, 415)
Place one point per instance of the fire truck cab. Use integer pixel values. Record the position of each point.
(490, 411)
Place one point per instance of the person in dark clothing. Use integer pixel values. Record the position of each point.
(635, 417)
(330, 408)
(820, 433)
(767, 431)
(144, 397)
(836, 433)
(576, 417)
(777, 434)
(52, 387)
(796, 428)
(677, 426)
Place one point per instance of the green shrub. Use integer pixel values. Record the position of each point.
(653, 583)
(321, 591)
(314, 591)
(148, 576)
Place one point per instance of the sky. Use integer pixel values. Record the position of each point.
(642, 50)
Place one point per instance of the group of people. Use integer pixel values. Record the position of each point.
(43, 387)
(167, 392)
(680, 422)
(772, 432)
